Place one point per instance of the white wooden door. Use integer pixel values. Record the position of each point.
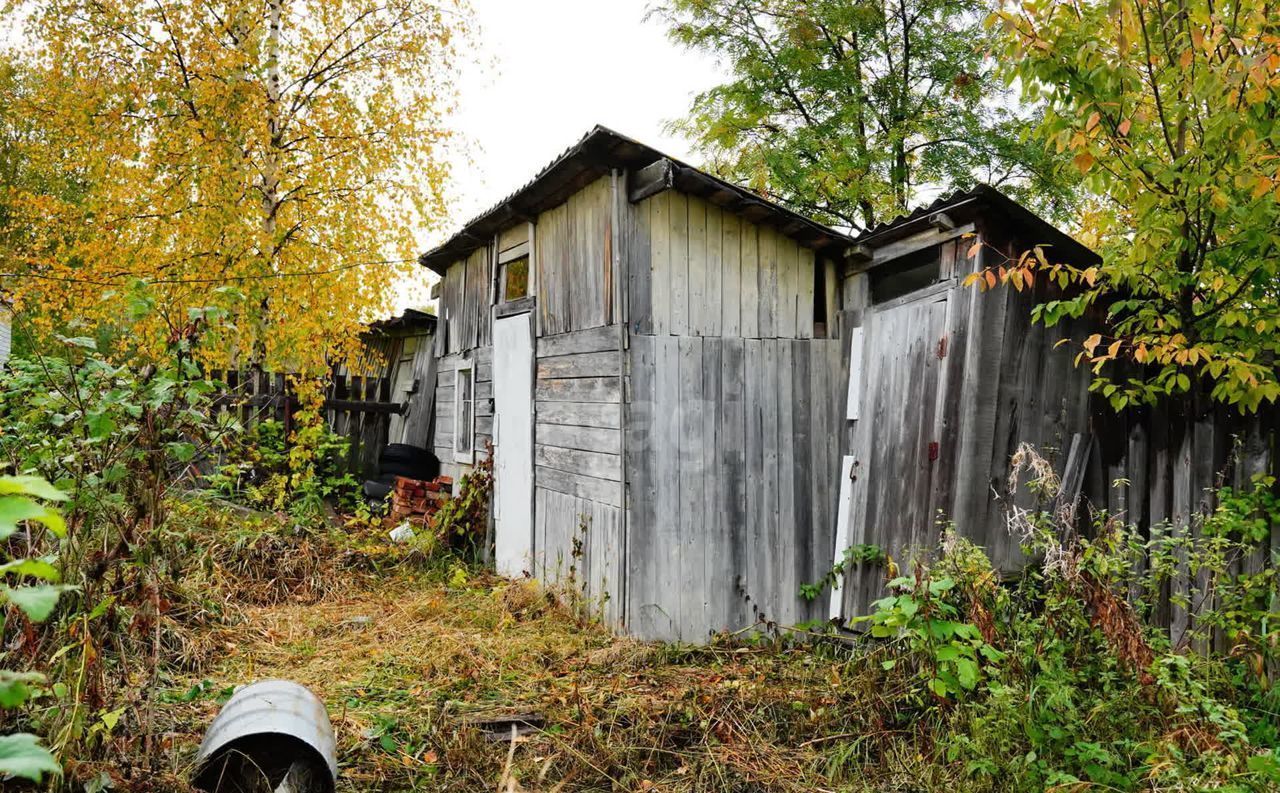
(513, 444)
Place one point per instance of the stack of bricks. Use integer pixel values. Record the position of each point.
(417, 499)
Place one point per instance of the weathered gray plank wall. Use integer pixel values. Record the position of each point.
(578, 464)
(465, 319)
(481, 359)
(416, 426)
(695, 269)
(1168, 463)
(731, 450)
(573, 258)
(954, 380)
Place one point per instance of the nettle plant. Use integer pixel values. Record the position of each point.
(949, 654)
(23, 511)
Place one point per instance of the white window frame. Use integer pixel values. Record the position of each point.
(468, 432)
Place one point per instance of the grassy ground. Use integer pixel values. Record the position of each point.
(414, 659)
(418, 657)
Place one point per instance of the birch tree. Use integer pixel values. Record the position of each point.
(255, 172)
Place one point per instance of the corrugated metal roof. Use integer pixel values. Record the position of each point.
(599, 151)
(967, 202)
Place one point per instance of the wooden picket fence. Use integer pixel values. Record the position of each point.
(356, 407)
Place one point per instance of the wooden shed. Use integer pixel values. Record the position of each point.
(698, 398)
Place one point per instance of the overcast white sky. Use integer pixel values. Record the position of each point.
(549, 70)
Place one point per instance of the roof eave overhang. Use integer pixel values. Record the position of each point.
(978, 203)
(600, 152)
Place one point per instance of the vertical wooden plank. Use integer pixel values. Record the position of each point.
(717, 576)
(784, 549)
(831, 284)
(823, 480)
(749, 281)
(733, 478)
(693, 536)
(698, 265)
(660, 267)
(643, 551)
(638, 253)
(767, 278)
(679, 295)
(755, 539)
(1180, 583)
(668, 600)
(730, 274)
(787, 317)
(771, 474)
(807, 273)
(713, 270)
(801, 518)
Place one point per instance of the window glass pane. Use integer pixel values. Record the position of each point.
(515, 279)
(462, 418)
(906, 275)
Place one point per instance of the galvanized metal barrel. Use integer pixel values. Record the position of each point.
(274, 725)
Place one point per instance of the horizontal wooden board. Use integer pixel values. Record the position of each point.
(607, 337)
(589, 487)
(597, 464)
(585, 389)
(591, 439)
(587, 364)
(581, 414)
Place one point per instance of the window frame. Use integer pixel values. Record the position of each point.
(522, 250)
(468, 432)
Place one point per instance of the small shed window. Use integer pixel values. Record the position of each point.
(907, 274)
(515, 279)
(464, 413)
(513, 273)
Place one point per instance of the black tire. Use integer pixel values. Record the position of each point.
(426, 471)
(377, 491)
(405, 454)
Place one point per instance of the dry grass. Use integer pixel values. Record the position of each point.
(416, 667)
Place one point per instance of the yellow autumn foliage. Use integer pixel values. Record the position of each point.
(249, 175)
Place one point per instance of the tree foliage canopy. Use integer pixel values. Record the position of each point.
(1171, 111)
(248, 175)
(846, 110)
